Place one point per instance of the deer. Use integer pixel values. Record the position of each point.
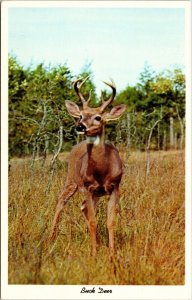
(94, 165)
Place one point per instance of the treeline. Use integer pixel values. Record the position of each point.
(39, 123)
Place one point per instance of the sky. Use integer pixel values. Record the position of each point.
(118, 42)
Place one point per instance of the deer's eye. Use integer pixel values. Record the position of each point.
(80, 117)
(98, 118)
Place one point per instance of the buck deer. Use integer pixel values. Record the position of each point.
(94, 167)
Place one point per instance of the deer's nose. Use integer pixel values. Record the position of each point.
(80, 128)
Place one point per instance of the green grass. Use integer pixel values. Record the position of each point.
(149, 228)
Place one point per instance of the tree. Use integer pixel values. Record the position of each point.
(170, 87)
(37, 110)
(17, 83)
(37, 106)
(155, 94)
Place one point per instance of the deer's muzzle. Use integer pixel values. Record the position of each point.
(80, 128)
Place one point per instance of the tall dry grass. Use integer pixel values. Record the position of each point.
(150, 227)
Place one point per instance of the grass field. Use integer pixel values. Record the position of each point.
(149, 228)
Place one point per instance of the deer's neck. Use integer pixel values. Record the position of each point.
(94, 140)
(96, 146)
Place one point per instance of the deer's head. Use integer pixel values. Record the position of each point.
(91, 121)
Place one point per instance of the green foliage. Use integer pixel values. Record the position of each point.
(37, 110)
(155, 97)
(17, 91)
(36, 106)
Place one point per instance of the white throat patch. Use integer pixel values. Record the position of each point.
(93, 140)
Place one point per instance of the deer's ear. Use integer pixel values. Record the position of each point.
(72, 108)
(116, 112)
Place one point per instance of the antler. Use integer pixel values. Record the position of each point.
(105, 103)
(77, 88)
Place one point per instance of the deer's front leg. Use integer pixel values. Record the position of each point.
(111, 214)
(68, 191)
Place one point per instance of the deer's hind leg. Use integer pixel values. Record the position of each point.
(68, 191)
(88, 210)
(84, 208)
(111, 216)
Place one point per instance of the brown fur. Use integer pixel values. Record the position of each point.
(95, 168)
